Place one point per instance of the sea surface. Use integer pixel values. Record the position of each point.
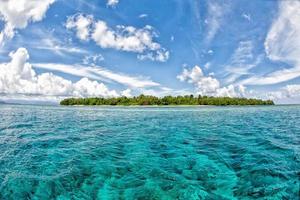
(53, 152)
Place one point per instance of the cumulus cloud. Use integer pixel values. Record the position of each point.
(288, 91)
(164, 91)
(287, 94)
(292, 90)
(282, 44)
(123, 38)
(126, 93)
(208, 85)
(16, 14)
(112, 2)
(18, 77)
(81, 24)
(126, 39)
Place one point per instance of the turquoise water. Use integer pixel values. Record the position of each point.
(149, 153)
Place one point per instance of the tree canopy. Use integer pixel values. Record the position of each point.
(145, 100)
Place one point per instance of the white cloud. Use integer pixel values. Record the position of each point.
(18, 77)
(86, 87)
(241, 61)
(16, 14)
(143, 15)
(126, 93)
(136, 84)
(160, 55)
(128, 38)
(292, 90)
(123, 38)
(208, 85)
(203, 84)
(172, 38)
(282, 44)
(48, 40)
(214, 19)
(99, 73)
(246, 16)
(273, 78)
(112, 2)
(283, 40)
(93, 59)
(287, 94)
(163, 91)
(207, 65)
(243, 53)
(54, 45)
(81, 24)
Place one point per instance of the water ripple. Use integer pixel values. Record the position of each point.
(149, 153)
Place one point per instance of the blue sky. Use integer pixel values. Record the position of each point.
(60, 48)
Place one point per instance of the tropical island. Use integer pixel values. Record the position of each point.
(145, 100)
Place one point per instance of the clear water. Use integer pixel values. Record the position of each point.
(149, 153)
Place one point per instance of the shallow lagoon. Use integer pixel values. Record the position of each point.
(149, 153)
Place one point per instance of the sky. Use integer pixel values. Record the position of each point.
(54, 49)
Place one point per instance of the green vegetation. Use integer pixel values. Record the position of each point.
(143, 100)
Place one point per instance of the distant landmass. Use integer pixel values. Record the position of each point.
(144, 100)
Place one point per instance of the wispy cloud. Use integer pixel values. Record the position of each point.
(282, 44)
(57, 47)
(100, 73)
(241, 61)
(143, 15)
(278, 76)
(246, 16)
(214, 20)
(47, 40)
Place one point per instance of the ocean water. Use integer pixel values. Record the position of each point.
(149, 153)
